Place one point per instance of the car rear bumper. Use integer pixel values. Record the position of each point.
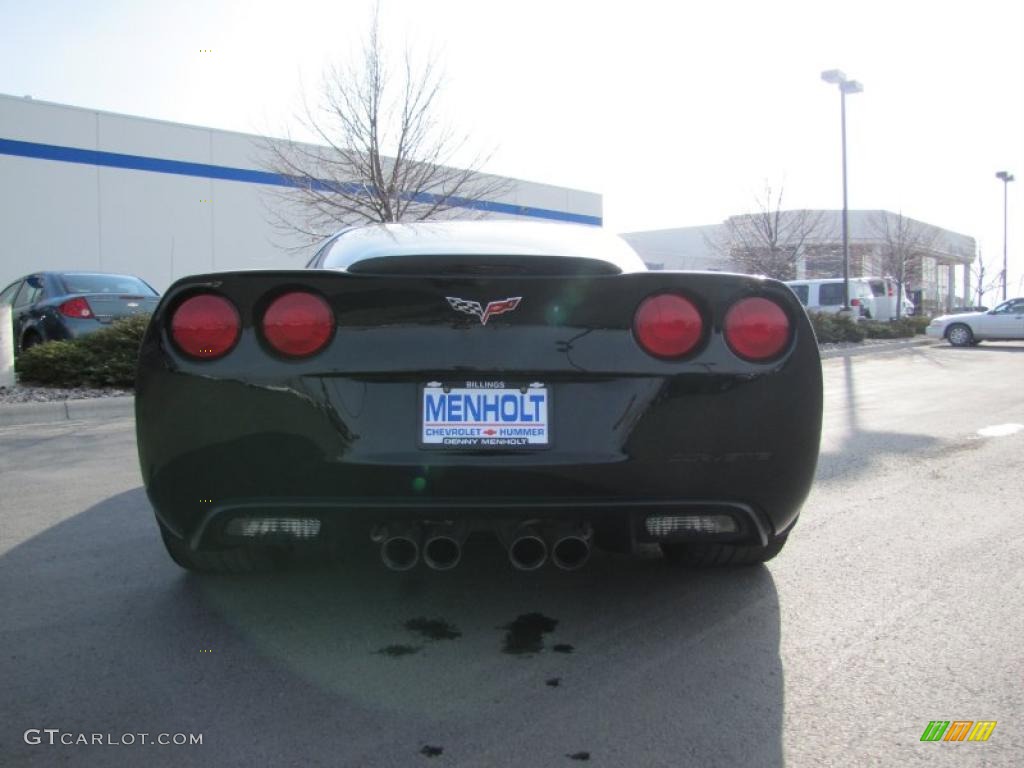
(211, 448)
(332, 519)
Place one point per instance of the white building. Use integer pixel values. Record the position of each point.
(87, 190)
(933, 282)
(679, 248)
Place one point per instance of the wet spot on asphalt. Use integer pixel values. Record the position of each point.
(398, 650)
(431, 751)
(433, 629)
(526, 633)
(579, 756)
(554, 682)
(563, 648)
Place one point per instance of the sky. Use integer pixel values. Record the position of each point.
(678, 113)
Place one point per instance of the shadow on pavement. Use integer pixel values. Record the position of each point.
(861, 450)
(343, 664)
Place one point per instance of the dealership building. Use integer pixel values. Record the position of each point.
(82, 189)
(938, 266)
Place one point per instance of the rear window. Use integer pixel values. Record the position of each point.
(830, 294)
(106, 284)
(487, 265)
(7, 296)
(877, 287)
(27, 295)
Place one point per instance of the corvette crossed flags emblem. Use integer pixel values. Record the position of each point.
(484, 313)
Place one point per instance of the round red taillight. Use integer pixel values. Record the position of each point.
(205, 326)
(756, 329)
(667, 325)
(298, 324)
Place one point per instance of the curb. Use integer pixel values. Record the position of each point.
(19, 414)
(876, 348)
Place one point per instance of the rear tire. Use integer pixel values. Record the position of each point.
(712, 555)
(235, 560)
(959, 335)
(30, 340)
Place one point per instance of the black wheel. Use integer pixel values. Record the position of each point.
(718, 554)
(235, 560)
(30, 340)
(959, 335)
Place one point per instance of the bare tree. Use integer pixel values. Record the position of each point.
(983, 279)
(770, 241)
(903, 243)
(385, 156)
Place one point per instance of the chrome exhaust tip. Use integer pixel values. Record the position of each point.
(528, 552)
(442, 552)
(570, 552)
(400, 553)
(399, 548)
(570, 547)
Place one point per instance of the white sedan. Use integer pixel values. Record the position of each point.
(1005, 322)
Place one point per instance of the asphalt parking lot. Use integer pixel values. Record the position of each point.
(896, 602)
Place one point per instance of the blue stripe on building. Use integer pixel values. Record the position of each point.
(225, 173)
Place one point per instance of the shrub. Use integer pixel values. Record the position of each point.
(106, 358)
(115, 352)
(916, 323)
(831, 329)
(891, 330)
(904, 328)
(54, 364)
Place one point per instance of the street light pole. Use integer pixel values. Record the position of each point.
(846, 207)
(1006, 177)
(845, 86)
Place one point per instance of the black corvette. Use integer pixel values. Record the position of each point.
(419, 384)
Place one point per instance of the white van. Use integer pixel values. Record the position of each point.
(883, 305)
(875, 297)
(826, 295)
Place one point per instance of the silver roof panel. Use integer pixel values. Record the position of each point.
(481, 238)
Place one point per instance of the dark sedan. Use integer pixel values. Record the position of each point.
(423, 383)
(53, 306)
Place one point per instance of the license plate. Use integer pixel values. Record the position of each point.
(485, 415)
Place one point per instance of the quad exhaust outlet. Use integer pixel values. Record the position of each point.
(439, 545)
